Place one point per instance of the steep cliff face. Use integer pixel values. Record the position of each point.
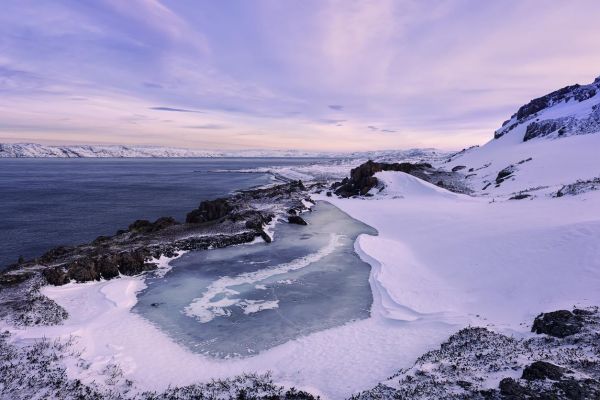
(572, 110)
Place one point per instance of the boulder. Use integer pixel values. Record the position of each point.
(560, 324)
(55, 276)
(511, 389)
(541, 370)
(296, 219)
(209, 210)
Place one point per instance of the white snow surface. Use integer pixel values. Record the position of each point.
(553, 163)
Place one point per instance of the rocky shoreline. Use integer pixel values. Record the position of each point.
(240, 218)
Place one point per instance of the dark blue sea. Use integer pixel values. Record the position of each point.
(49, 202)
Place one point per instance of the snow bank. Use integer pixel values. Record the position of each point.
(400, 184)
(495, 263)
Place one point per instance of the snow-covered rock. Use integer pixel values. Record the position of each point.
(572, 110)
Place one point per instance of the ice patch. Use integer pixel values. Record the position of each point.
(254, 306)
(219, 295)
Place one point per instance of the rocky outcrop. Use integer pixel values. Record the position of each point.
(566, 122)
(579, 187)
(105, 265)
(540, 370)
(561, 323)
(145, 226)
(209, 210)
(361, 179)
(505, 173)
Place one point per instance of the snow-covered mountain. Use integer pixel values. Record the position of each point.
(572, 110)
(550, 142)
(34, 150)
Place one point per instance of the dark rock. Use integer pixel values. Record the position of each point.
(541, 129)
(361, 178)
(579, 390)
(107, 266)
(504, 174)
(133, 263)
(140, 225)
(55, 276)
(541, 103)
(328, 194)
(458, 168)
(541, 370)
(296, 219)
(520, 196)
(101, 239)
(291, 211)
(55, 253)
(511, 389)
(265, 237)
(13, 279)
(145, 226)
(209, 210)
(464, 384)
(254, 219)
(580, 312)
(559, 324)
(163, 222)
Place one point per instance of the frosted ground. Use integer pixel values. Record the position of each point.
(441, 261)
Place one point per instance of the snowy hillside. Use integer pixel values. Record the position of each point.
(34, 150)
(548, 143)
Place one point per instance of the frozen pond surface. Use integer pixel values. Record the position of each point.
(240, 300)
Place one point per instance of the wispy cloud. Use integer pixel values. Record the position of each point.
(173, 109)
(306, 74)
(206, 126)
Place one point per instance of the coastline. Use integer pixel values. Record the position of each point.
(326, 363)
(416, 306)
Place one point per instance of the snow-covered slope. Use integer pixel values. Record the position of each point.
(550, 142)
(34, 150)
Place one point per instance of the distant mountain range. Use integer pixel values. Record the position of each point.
(34, 150)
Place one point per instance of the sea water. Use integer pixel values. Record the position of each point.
(45, 202)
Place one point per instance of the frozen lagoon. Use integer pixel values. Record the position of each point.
(244, 299)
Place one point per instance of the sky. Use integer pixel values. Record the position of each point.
(290, 74)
